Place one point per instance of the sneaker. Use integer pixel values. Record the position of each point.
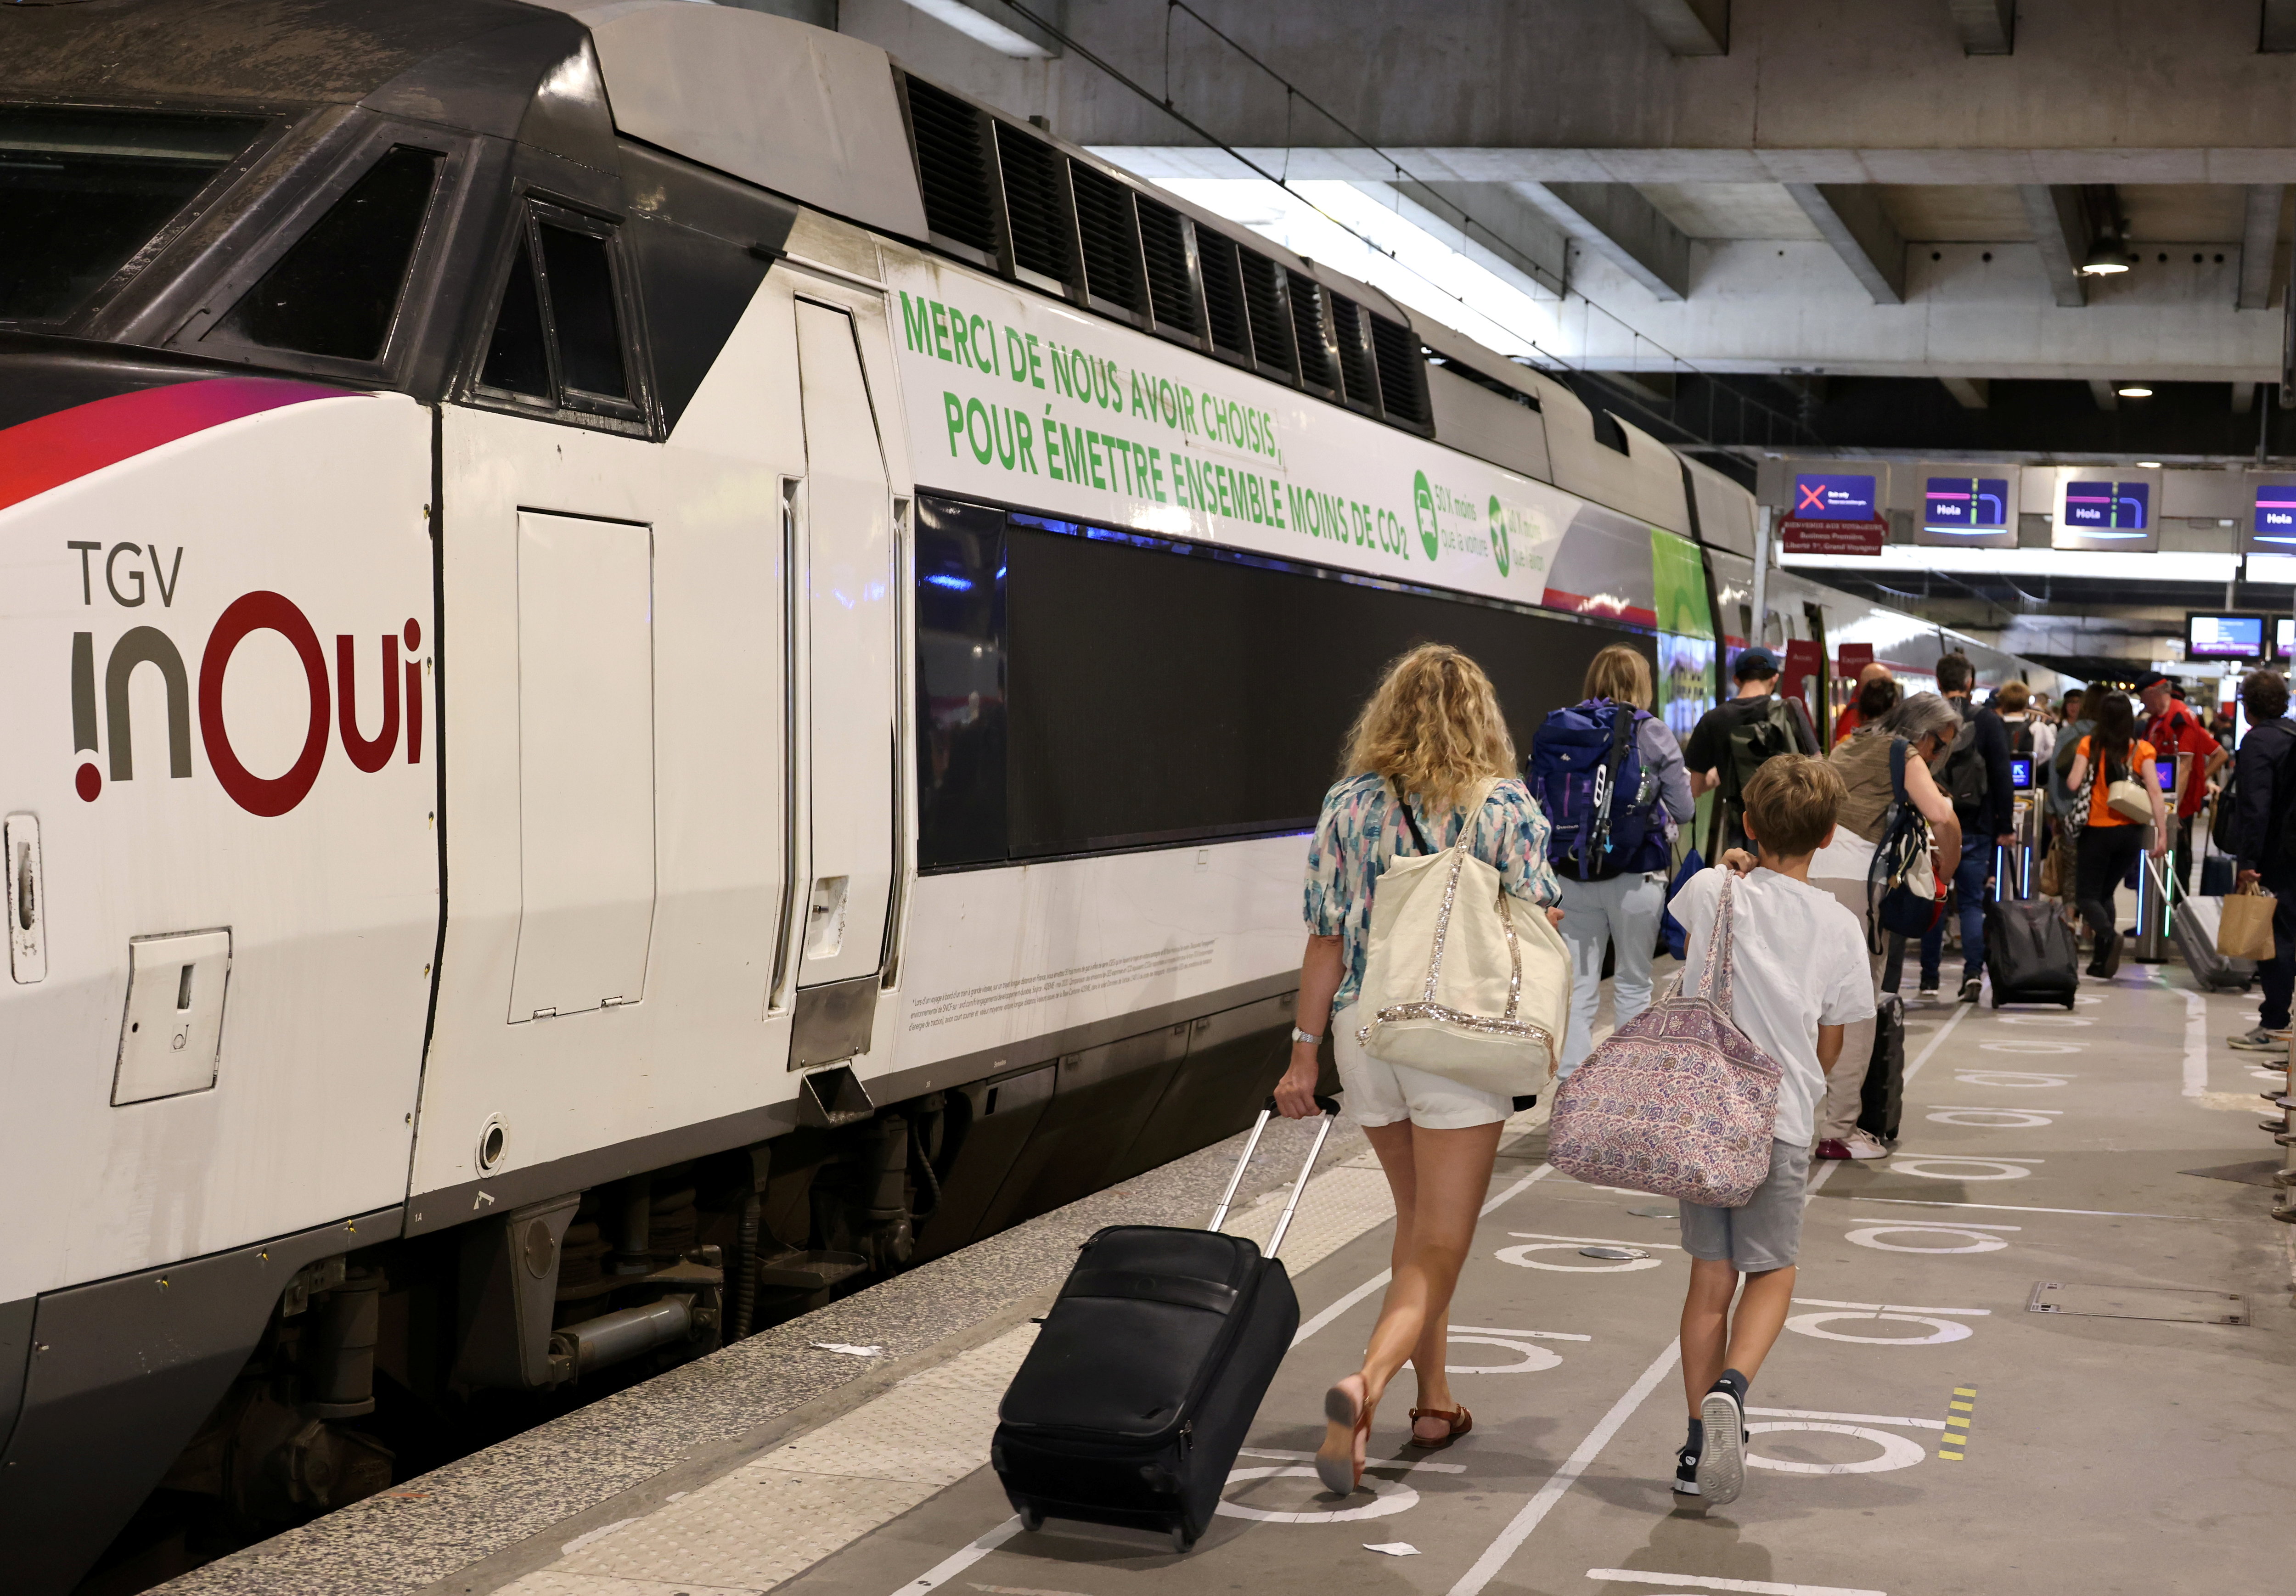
(1861, 1145)
(2261, 1041)
(1832, 1148)
(1685, 1473)
(1721, 1468)
(1971, 986)
(2109, 961)
(1929, 987)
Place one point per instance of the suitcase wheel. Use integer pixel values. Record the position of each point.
(2068, 1004)
(1032, 1519)
(1182, 1541)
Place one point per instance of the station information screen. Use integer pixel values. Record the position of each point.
(1972, 505)
(2167, 771)
(2108, 508)
(2283, 637)
(2021, 772)
(2224, 636)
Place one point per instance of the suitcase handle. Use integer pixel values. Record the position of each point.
(1330, 1110)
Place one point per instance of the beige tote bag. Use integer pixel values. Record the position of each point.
(2243, 929)
(1461, 980)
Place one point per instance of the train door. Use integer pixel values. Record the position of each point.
(843, 633)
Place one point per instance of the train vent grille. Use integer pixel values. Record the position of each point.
(952, 167)
(1111, 239)
(1164, 243)
(1355, 368)
(1034, 203)
(1263, 299)
(1312, 331)
(1223, 293)
(1402, 372)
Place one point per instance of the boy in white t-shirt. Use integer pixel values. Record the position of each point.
(1799, 974)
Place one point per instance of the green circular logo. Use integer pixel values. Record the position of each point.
(1423, 500)
(1499, 550)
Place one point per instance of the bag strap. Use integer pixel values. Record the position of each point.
(1606, 784)
(1714, 980)
(1418, 837)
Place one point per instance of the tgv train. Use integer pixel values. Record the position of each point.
(653, 668)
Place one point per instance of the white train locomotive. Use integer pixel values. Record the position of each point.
(653, 667)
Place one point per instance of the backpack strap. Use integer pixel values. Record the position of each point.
(1606, 785)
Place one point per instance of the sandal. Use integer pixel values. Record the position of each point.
(1342, 1476)
(1460, 1421)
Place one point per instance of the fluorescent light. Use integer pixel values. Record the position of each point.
(2133, 392)
(982, 29)
(2132, 566)
(2147, 465)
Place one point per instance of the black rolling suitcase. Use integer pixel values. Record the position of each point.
(1881, 1100)
(2030, 953)
(2193, 924)
(1143, 1382)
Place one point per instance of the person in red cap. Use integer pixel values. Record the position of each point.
(2174, 729)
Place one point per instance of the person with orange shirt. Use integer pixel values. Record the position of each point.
(2110, 840)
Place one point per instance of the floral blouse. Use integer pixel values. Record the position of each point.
(1361, 829)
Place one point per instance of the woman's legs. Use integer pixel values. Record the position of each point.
(1637, 903)
(1445, 1177)
(1585, 928)
(2106, 853)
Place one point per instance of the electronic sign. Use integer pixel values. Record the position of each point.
(2108, 508)
(2166, 770)
(2283, 637)
(2276, 513)
(2224, 636)
(2021, 772)
(1966, 505)
(1824, 496)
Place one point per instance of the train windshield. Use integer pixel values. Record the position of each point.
(82, 189)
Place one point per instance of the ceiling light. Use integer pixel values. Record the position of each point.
(2106, 256)
(2134, 392)
(972, 20)
(2147, 465)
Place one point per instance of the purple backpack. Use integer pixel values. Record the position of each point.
(1678, 1101)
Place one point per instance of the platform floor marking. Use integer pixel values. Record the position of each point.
(1952, 1445)
(1897, 1452)
(1591, 1241)
(2196, 1044)
(1487, 1568)
(1891, 1307)
(2011, 1208)
(1281, 1456)
(1914, 1067)
(1845, 1417)
(957, 1562)
(1707, 1582)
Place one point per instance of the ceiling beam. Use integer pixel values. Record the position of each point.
(1987, 27)
(1689, 27)
(1850, 217)
(2259, 240)
(1490, 218)
(2061, 233)
(1614, 221)
(1995, 166)
(1970, 393)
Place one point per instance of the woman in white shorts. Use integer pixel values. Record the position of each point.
(1430, 734)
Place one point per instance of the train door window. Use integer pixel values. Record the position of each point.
(562, 333)
(336, 290)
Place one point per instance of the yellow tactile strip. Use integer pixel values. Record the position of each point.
(1954, 1444)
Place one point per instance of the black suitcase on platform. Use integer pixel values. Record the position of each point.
(1881, 1100)
(2030, 953)
(1143, 1382)
(2217, 876)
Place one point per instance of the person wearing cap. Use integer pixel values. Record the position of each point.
(2174, 729)
(1756, 671)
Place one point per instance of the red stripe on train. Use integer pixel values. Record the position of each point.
(51, 450)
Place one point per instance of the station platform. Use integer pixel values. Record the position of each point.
(2047, 1346)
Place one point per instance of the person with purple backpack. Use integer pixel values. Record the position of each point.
(1609, 776)
(1793, 975)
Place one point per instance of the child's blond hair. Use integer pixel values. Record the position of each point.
(1790, 804)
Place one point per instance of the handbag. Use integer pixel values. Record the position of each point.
(2245, 925)
(1678, 1101)
(1455, 981)
(1903, 892)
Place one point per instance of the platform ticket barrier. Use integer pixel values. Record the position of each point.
(2156, 879)
(2014, 864)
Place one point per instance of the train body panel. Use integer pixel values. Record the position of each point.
(221, 708)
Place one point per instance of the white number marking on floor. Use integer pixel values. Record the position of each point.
(2013, 1077)
(2032, 1047)
(1942, 1328)
(1994, 1119)
(1707, 1582)
(1389, 1497)
(2046, 1020)
(1539, 1242)
(1534, 1357)
(1976, 1234)
(2004, 1169)
(1897, 1452)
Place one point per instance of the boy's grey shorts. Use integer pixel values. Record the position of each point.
(1765, 1233)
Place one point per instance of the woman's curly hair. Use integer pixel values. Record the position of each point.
(1432, 727)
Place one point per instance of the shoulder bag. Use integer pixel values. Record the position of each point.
(1455, 982)
(1903, 892)
(1678, 1101)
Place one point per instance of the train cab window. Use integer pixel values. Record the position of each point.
(560, 334)
(83, 190)
(337, 289)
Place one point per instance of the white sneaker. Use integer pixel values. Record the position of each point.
(1862, 1145)
(1721, 1470)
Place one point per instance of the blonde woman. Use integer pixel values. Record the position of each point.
(1623, 912)
(1430, 736)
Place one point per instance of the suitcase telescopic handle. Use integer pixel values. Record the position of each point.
(1330, 1108)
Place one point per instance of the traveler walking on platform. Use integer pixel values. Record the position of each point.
(1926, 725)
(1796, 977)
(2263, 787)
(1975, 774)
(1428, 737)
(1853, 716)
(1730, 740)
(2105, 764)
(1620, 911)
(2174, 729)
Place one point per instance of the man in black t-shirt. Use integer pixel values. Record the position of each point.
(1707, 752)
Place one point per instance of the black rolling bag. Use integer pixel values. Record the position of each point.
(2030, 953)
(1143, 1382)
(1881, 1100)
(2217, 876)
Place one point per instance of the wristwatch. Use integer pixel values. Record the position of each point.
(1308, 1037)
